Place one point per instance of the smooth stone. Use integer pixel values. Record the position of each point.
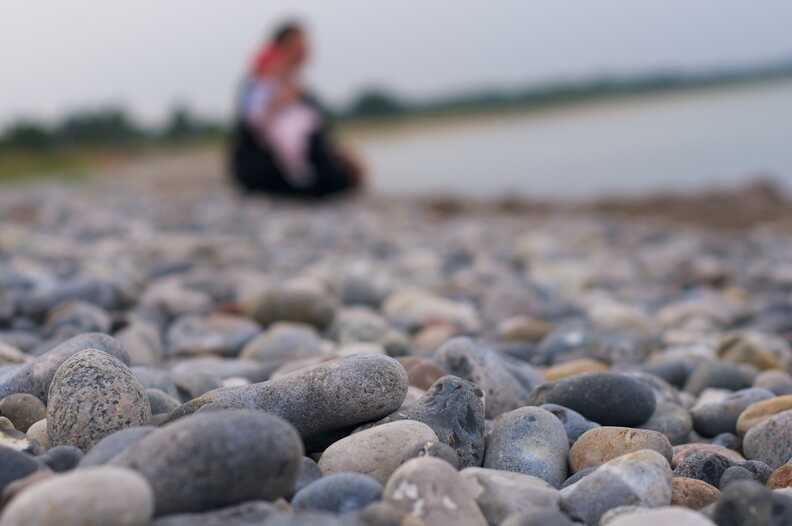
(91, 396)
(575, 424)
(692, 493)
(153, 378)
(38, 433)
(283, 342)
(61, 459)
(708, 467)
(610, 399)
(219, 369)
(331, 396)
(246, 514)
(429, 339)
(531, 441)
(18, 486)
(722, 375)
(23, 410)
(770, 441)
(642, 478)
(161, 402)
(759, 412)
(500, 494)
(217, 459)
(683, 451)
(35, 377)
(15, 465)
(10, 437)
(380, 513)
(602, 444)
(111, 445)
(728, 440)
(733, 474)
(672, 420)
(421, 372)
(760, 350)
(11, 355)
(466, 359)
(454, 409)
(760, 470)
(430, 490)
(781, 477)
(523, 329)
(573, 368)
(218, 334)
(76, 317)
(577, 476)
(376, 451)
(109, 496)
(309, 472)
(339, 493)
(748, 502)
(662, 517)
(297, 302)
(714, 418)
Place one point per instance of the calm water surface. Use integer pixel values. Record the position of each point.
(679, 142)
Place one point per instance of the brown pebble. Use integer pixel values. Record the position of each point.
(781, 478)
(758, 412)
(421, 373)
(574, 367)
(692, 493)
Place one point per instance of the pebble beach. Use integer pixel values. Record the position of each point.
(195, 358)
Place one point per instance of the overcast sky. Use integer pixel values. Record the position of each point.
(148, 54)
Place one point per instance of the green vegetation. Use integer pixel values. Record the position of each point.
(84, 138)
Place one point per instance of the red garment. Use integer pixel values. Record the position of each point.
(264, 60)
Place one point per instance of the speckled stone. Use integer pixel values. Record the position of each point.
(531, 441)
(91, 396)
(330, 396)
(781, 477)
(377, 451)
(109, 496)
(217, 459)
(338, 493)
(683, 451)
(708, 467)
(597, 395)
(430, 490)
(770, 441)
(454, 409)
(23, 410)
(602, 444)
(35, 377)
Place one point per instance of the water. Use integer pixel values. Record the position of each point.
(677, 142)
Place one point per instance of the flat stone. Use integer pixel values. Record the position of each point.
(334, 395)
(573, 368)
(531, 441)
(377, 451)
(602, 444)
(609, 399)
(430, 490)
(91, 396)
(107, 495)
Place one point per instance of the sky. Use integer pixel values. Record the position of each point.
(151, 54)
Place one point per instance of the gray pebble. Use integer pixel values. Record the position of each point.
(113, 444)
(770, 441)
(23, 410)
(574, 423)
(61, 458)
(338, 493)
(713, 418)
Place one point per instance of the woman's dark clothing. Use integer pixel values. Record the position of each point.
(255, 169)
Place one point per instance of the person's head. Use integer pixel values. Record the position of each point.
(291, 41)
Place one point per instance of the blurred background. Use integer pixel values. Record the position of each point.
(537, 98)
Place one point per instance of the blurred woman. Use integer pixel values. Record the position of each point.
(281, 144)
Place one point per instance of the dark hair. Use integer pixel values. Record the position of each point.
(284, 30)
